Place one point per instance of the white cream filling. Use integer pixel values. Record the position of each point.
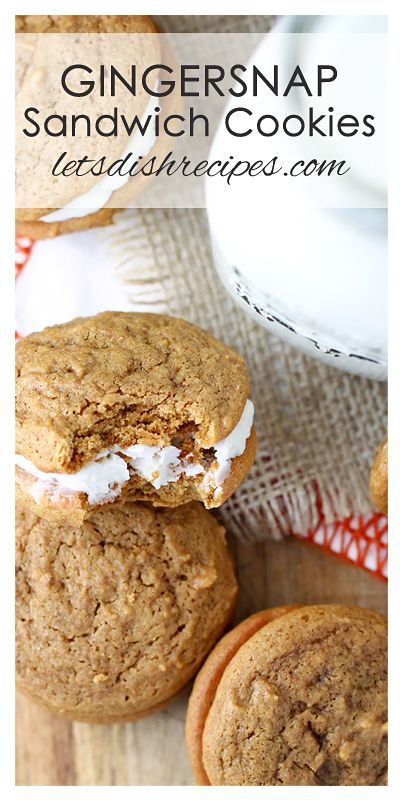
(160, 465)
(234, 444)
(104, 477)
(101, 480)
(97, 197)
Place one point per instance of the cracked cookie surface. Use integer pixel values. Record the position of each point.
(125, 377)
(302, 702)
(115, 617)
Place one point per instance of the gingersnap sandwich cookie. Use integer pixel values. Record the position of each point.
(129, 406)
(378, 481)
(90, 198)
(113, 618)
(293, 696)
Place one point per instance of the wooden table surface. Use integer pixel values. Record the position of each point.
(152, 751)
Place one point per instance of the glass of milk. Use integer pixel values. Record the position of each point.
(315, 276)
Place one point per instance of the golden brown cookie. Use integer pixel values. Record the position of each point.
(40, 223)
(378, 481)
(293, 697)
(115, 617)
(207, 681)
(83, 23)
(129, 406)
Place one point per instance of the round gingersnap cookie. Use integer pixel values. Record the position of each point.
(89, 200)
(378, 481)
(293, 696)
(115, 617)
(129, 406)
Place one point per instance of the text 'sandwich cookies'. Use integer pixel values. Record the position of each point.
(81, 202)
(129, 406)
(293, 696)
(115, 617)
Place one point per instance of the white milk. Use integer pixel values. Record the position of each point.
(314, 276)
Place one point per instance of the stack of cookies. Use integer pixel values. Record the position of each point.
(127, 426)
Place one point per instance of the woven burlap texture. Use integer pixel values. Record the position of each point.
(317, 427)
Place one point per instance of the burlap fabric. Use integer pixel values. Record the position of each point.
(317, 427)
